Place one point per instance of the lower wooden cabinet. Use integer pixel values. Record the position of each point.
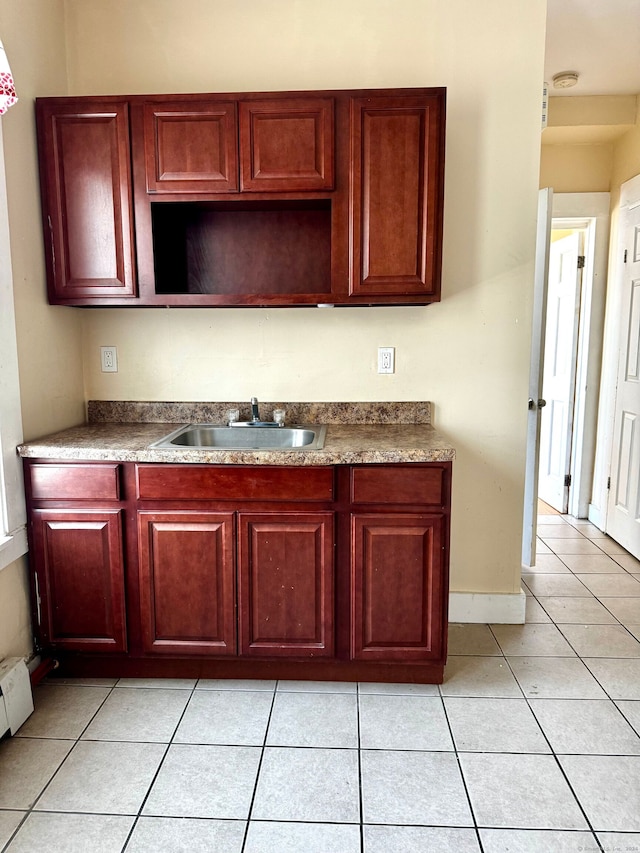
(334, 572)
(187, 582)
(79, 578)
(397, 563)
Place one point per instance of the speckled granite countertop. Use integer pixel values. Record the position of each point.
(357, 433)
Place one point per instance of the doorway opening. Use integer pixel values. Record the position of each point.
(566, 357)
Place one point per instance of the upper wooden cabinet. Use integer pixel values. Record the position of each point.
(268, 199)
(86, 190)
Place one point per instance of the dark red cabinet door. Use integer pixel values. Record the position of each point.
(80, 578)
(397, 160)
(397, 587)
(287, 144)
(187, 588)
(286, 598)
(87, 198)
(191, 146)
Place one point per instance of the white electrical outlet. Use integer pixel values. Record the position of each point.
(386, 359)
(109, 359)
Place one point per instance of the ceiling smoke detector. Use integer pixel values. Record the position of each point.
(565, 80)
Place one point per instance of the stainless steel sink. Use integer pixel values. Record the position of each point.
(219, 437)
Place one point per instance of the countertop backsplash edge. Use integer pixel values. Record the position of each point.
(128, 411)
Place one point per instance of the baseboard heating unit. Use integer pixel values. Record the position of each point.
(16, 700)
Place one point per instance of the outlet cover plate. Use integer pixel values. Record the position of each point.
(109, 359)
(386, 359)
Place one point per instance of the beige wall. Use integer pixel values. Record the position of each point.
(49, 340)
(596, 112)
(15, 611)
(577, 168)
(626, 159)
(470, 353)
(580, 140)
(592, 144)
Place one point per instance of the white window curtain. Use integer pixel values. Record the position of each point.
(13, 538)
(8, 95)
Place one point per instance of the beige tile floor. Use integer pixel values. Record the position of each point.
(532, 744)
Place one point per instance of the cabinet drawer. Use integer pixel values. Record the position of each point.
(398, 484)
(75, 482)
(241, 483)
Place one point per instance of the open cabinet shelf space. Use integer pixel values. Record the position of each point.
(234, 249)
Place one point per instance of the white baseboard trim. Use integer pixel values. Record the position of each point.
(505, 609)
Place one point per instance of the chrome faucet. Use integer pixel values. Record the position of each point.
(255, 418)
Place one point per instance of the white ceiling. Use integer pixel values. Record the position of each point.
(600, 40)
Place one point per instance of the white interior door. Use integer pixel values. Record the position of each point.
(541, 273)
(559, 372)
(623, 516)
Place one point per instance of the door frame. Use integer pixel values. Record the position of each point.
(592, 211)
